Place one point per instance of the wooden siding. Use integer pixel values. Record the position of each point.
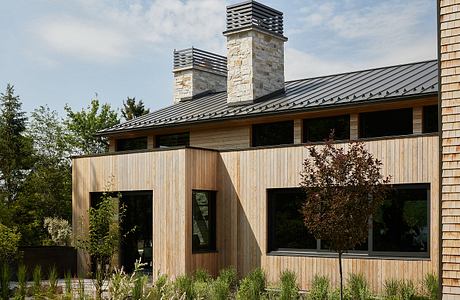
(244, 177)
(221, 138)
(417, 122)
(450, 113)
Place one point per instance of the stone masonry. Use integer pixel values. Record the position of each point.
(255, 63)
(191, 81)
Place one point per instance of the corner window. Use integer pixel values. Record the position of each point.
(268, 134)
(399, 228)
(430, 118)
(172, 140)
(319, 129)
(203, 221)
(385, 123)
(138, 143)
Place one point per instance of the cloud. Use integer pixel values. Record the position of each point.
(113, 30)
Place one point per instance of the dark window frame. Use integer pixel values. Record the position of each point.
(158, 137)
(364, 134)
(355, 253)
(305, 132)
(127, 140)
(258, 125)
(425, 125)
(212, 227)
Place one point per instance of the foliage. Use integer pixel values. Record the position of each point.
(15, 147)
(60, 231)
(343, 188)
(37, 281)
(229, 276)
(184, 286)
(68, 284)
(357, 287)
(22, 282)
(431, 286)
(5, 277)
(407, 290)
(82, 127)
(391, 289)
(9, 240)
(202, 275)
(132, 110)
(134, 286)
(252, 286)
(289, 287)
(103, 239)
(320, 288)
(52, 280)
(219, 289)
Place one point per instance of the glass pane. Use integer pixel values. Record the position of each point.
(401, 225)
(385, 123)
(287, 230)
(319, 129)
(430, 118)
(203, 233)
(273, 134)
(132, 144)
(173, 140)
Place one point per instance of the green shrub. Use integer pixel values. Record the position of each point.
(252, 287)
(52, 280)
(289, 287)
(229, 276)
(68, 283)
(200, 289)
(37, 277)
(407, 290)
(22, 282)
(201, 275)
(391, 289)
(81, 288)
(138, 290)
(431, 286)
(357, 287)
(184, 286)
(219, 289)
(320, 288)
(5, 277)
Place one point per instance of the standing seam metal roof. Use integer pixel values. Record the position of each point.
(360, 87)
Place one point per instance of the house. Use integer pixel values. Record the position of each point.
(211, 180)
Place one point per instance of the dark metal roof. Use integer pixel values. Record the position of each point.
(353, 88)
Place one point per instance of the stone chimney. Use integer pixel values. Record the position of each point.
(255, 52)
(198, 72)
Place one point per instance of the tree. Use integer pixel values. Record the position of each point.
(343, 188)
(132, 110)
(15, 148)
(9, 240)
(82, 127)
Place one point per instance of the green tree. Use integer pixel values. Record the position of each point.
(9, 240)
(132, 110)
(343, 188)
(83, 126)
(15, 148)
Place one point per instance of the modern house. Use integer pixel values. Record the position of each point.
(212, 180)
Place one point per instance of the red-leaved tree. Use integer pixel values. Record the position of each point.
(343, 188)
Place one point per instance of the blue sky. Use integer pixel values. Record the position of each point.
(64, 51)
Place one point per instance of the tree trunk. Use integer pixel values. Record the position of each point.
(341, 275)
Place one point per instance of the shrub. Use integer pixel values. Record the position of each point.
(229, 276)
(357, 287)
(252, 286)
(407, 290)
(200, 289)
(184, 286)
(289, 286)
(5, 277)
(68, 283)
(22, 282)
(431, 286)
(9, 240)
(320, 288)
(391, 289)
(81, 288)
(59, 230)
(202, 275)
(219, 289)
(37, 277)
(52, 279)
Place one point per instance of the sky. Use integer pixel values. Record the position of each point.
(58, 52)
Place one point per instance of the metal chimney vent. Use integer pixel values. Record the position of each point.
(253, 14)
(193, 57)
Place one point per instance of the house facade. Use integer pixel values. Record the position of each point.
(212, 180)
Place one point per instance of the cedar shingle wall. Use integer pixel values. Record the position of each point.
(450, 112)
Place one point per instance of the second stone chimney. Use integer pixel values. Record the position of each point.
(255, 52)
(198, 72)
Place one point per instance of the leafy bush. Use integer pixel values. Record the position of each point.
(184, 286)
(22, 282)
(407, 290)
(219, 289)
(320, 288)
(431, 286)
(68, 284)
(229, 276)
(357, 287)
(37, 277)
(52, 279)
(9, 240)
(5, 277)
(391, 289)
(200, 289)
(59, 230)
(289, 286)
(201, 275)
(252, 286)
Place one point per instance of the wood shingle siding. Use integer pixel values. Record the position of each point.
(450, 111)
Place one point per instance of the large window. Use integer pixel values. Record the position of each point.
(203, 221)
(172, 140)
(399, 228)
(385, 123)
(138, 143)
(278, 133)
(430, 118)
(319, 129)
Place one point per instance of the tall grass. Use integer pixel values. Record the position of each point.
(52, 280)
(5, 277)
(37, 278)
(431, 286)
(358, 288)
(252, 287)
(320, 288)
(289, 287)
(22, 282)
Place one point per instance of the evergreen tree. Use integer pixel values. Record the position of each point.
(16, 150)
(132, 110)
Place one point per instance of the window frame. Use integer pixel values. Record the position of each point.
(424, 125)
(369, 253)
(212, 228)
(157, 137)
(252, 131)
(361, 130)
(305, 122)
(117, 141)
